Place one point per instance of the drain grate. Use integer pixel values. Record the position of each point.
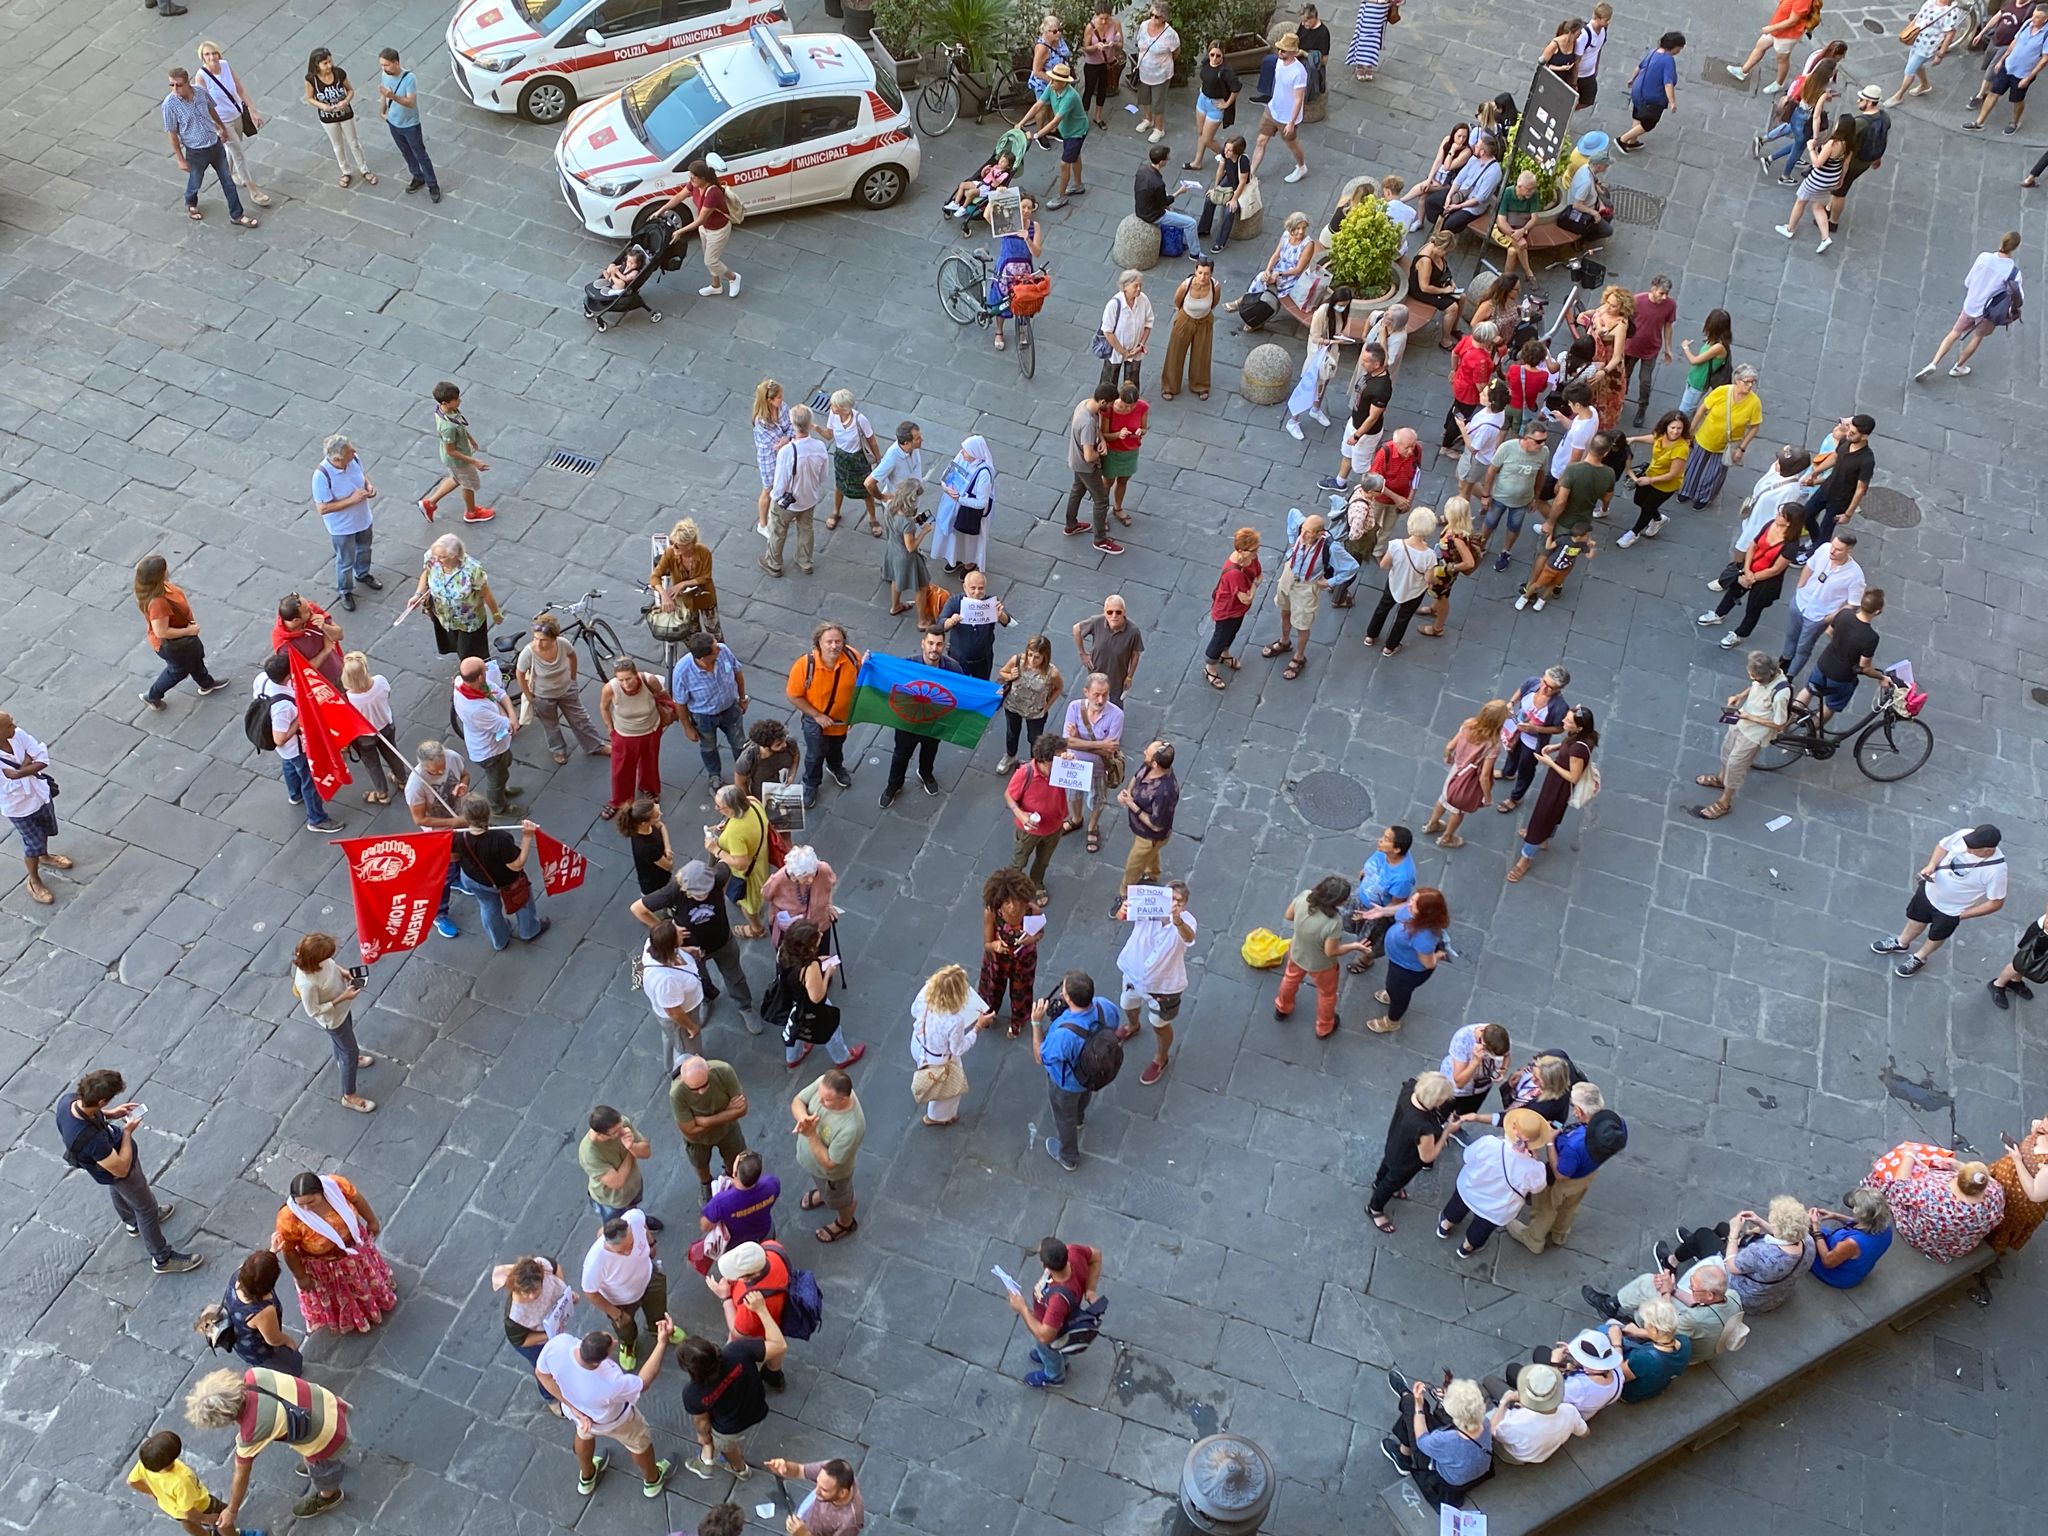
(2040, 696)
(1632, 206)
(574, 463)
(1891, 509)
(1334, 800)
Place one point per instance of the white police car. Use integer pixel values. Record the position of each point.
(540, 57)
(786, 121)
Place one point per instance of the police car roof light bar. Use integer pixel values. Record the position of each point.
(775, 54)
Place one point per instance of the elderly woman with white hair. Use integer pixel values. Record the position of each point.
(966, 500)
(854, 453)
(1654, 1351)
(1848, 1243)
(684, 593)
(456, 593)
(1423, 1120)
(802, 888)
(1409, 562)
(946, 1018)
(1443, 1441)
(342, 494)
(1126, 327)
(1762, 1254)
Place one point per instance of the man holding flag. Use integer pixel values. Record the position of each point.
(275, 683)
(926, 702)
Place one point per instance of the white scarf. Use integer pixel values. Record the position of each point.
(342, 1208)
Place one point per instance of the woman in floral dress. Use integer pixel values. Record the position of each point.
(456, 592)
(327, 1237)
(1942, 1207)
(772, 428)
(2023, 1174)
(1009, 952)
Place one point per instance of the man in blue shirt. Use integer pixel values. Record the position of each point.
(1387, 880)
(712, 691)
(931, 654)
(1652, 90)
(1592, 1135)
(199, 144)
(342, 494)
(2016, 69)
(99, 1137)
(400, 93)
(1057, 1043)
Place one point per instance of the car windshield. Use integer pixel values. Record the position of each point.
(546, 15)
(885, 82)
(671, 107)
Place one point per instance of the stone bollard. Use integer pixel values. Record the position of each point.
(1136, 244)
(1268, 374)
(1247, 227)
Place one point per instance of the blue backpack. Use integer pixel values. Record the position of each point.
(803, 1304)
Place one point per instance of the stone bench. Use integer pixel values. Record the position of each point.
(1628, 1439)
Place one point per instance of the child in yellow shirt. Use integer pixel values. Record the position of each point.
(160, 1474)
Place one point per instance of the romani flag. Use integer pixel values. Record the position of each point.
(328, 723)
(924, 700)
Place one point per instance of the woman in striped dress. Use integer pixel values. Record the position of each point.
(1828, 162)
(1367, 37)
(771, 430)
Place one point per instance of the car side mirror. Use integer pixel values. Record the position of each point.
(594, 37)
(717, 163)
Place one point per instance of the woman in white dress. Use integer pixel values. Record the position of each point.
(1325, 336)
(968, 499)
(944, 1022)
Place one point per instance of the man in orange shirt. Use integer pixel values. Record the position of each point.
(1780, 35)
(746, 1269)
(821, 685)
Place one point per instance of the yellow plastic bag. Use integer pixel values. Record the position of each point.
(1263, 949)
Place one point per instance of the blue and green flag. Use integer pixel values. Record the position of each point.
(909, 696)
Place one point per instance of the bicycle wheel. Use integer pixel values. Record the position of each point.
(1780, 753)
(602, 642)
(960, 288)
(938, 107)
(1891, 749)
(1010, 95)
(1027, 354)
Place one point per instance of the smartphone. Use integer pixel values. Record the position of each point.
(359, 975)
(922, 518)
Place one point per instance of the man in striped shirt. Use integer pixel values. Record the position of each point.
(268, 1407)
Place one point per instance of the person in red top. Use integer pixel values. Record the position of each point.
(172, 631)
(711, 221)
(1781, 33)
(749, 1267)
(1072, 1280)
(1472, 363)
(1758, 576)
(1397, 464)
(1231, 602)
(1528, 380)
(1650, 342)
(1123, 432)
(310, 630)
(1038, 808)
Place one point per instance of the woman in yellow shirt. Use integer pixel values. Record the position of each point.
(742, 845)
(1670, 446)
(1722, 427)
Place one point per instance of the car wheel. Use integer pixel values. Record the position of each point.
(547, 100)
(882, 187)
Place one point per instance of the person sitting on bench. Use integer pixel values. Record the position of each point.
(1441, 1440)
(1586, 196)
(1470, 194)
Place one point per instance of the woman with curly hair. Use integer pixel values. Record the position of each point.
(1009, 949)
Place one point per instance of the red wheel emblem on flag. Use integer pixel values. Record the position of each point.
(921, 702)
(385, 861)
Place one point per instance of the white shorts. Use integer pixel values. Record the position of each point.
(1782, 45)
(1362, 452)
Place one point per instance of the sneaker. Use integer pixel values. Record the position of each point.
(1730, 640)
(1316, 415)
(1772, 89)
(1006, 764)
(1926, 373)
(888, 798)
(1788, 180)
(853, 1056)
(1537, 606)
(1154, 1071)
(1708, 619)
(1756, 149)
(1960, 371)
(1329, 483)
(2020, 989)
(1974, 126)
(445, 926)
(1784, 230)
(1052, 1150)
(627, 1361)
(732, 287)
(1822, 247)
(1216, 250)
(1296, 174)
(1656, 527)
(1391, 1449)
(1601, 1302)
(175, 1263)
(928, 784)
(652, 1490)
(1912, 965)
(324, 824)
(1737, 72)
(588, 1485)
(1039, 1380)
(1402, 1388)
(840, 777)
(1521, 602)
(952, 207)
(316, 1504)
(1625, 147)
(213, 687)
(711, 291)
(1157, 136)
(1073, 528)
(1887, 947)
(480, 515)
(1626, 540)
(1056, 202)
(427, 508)
(1660, 1254)
(1500, 562)
(1109, 546)
(1292, 428)
(1714, 585)
(434, 193)
(156, 704)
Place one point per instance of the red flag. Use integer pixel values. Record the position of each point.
(396, 882)
(327, 724)
(561, 868)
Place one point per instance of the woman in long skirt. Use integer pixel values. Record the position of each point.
(969, 487)
(327, 1237)
(1366, 38)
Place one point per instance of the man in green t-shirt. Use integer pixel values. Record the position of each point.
(460, 466)
(1059, 113)
(830, 1126)
(609, 1156)
(1518, 207)
(708, 1104)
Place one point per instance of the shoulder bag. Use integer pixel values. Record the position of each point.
(1728, 417)
(944, 1080)
(1111, 762)
(1100, 346)
(248, 123)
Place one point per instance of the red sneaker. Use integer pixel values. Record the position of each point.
(1152, 1073)
(854, 1055)
(1109, 546)
(427, 508)
(1078, 528)
(480, 515)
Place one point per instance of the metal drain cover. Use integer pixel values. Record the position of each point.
(575, 463)
(1892, 509)
(1715, 72)
(1872, 24)
(1334, 800)
(1633, 206)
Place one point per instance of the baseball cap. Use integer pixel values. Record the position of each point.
(743, 1262)
(695, 878)
(1986, 836)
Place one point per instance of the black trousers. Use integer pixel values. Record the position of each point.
(907, 742)
(1222, 634)
(1479, 1232)
(1401, 986)
(1402, 613)
(1649, 505)
(1094, 85)
(1521, 764)
(1701, 1243)
(1431, 1486)
(1391, 1179)
(1754, 600)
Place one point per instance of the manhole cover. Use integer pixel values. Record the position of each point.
(1335, 800)
(1715, 72)
(1632, 206)
(574, 463)
(1892, 509)
(1872, 24)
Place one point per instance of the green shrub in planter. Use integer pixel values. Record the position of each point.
(1363, 249)
(987, 27)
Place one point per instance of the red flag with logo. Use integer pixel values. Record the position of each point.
(328, 723)
(396, 882)
(561, 867)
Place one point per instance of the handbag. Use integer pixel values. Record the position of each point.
(1728, 409)
(1219, 195)
(1910, 31)
(515, 896)
(812, 1023)
(942, 1080)
(931, 602)
(1110, 762)
(1461, 791)
(248, 123)
(1393, 15)
(2031, 958)
(1100, 345)
(1251, 201)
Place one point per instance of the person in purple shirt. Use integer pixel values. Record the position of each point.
(746, 1206)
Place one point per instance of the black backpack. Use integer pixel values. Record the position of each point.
(1875, 137)
(1084, 1323)
(1102, 1054)
(256, 723)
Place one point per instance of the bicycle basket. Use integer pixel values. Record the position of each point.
(1028, 294)
(1588, 273)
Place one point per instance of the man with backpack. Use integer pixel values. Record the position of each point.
(1065, 1310)
(1992, 297)
(1081, 1056)
(271, 722)
(1873, 138)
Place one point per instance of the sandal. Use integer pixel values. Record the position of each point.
(1709, 781)
(1016, 1028)
(1383, 1025)
(1382, 999)
(1518, 869)
(1000, 344)
(1119, 514)
(1167, 394)
(194, 214)
(260, 199)
(1231, 661)
(608, 812)
(369, 179)
(1201, 394)
(1392, 650)
(874, 530)
(1712, 812)
(1094, 841)
(1359, 966)
(1432, 633)
(1294, 669)
(347, 180)
(244, 222)
(1070, 826)
(559, 757)
(832, 522)
(1506, 807)
(372, 797)
(838, 1229)
(899, 608)
(1379, 1220)
(811, 1200)
(358, 1103)
(1448, 840)
(1214, 681)
(1277, 648)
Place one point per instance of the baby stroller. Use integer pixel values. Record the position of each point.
(1015, 142)
(660, 245)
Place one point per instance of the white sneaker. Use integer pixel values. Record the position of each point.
(1714, 585)
(1296, 174)
(1708, 618)
(1783, 230)
(1737, 72)
(1772, 89)
(952, 207)
(1292, 428)
(1656, 527)
(1960, 371)
(1822, 247)
(1600, 514)
(1928, 372)
(1730, 640)
(1144, 127)
(1537, 606)
(732, 285)
(712, 292)
(1625, 540)
(1316, 414)
(1521, 602)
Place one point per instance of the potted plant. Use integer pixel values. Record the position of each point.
(896, 37)
(858, 21)
(906, 32)
(1362, 253)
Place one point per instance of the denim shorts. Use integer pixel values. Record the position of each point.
(1208, 110)
(1514, 516)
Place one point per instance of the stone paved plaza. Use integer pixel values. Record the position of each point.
(166, 386)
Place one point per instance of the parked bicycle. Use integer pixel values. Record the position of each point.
(1890, 743)
(965, 283)
(580, 626)
(1003, 89)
